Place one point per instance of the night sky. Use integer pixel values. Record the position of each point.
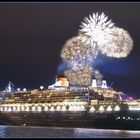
(33, 34)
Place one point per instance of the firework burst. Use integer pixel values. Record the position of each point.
(97, 34)
(96, 28)
(119, 46)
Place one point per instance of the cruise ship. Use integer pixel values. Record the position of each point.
(63, 105)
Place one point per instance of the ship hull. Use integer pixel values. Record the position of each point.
(73, 119)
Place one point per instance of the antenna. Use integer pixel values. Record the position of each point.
(111, 84)
(55, 78)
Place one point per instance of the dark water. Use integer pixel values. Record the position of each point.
(59, 132)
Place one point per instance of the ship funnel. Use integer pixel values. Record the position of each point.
(98, 77)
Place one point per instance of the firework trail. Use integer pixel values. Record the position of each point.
(97, 34)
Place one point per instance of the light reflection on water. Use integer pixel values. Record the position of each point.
(59, 132)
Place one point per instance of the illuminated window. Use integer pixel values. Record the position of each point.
(64, 108)
(92, 109)
(9, 109)
(33, 108)
(46, 108)
(39, 108)
(18, 108)
(117, 108)
(101, 109)
(70, 108)
(78, 108)
(58, 108)
(52, 108)
(5, 108)
(2, 109)
(134, 108)
(27, 109)
(109, 108)
(22, 108)
(14, 108)
(82, 108)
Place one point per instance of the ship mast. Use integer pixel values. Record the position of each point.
(10, 87)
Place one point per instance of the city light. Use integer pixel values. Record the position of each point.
(5, 108)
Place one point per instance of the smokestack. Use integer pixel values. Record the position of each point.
(98, 77)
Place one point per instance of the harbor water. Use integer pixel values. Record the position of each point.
(59, 132)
